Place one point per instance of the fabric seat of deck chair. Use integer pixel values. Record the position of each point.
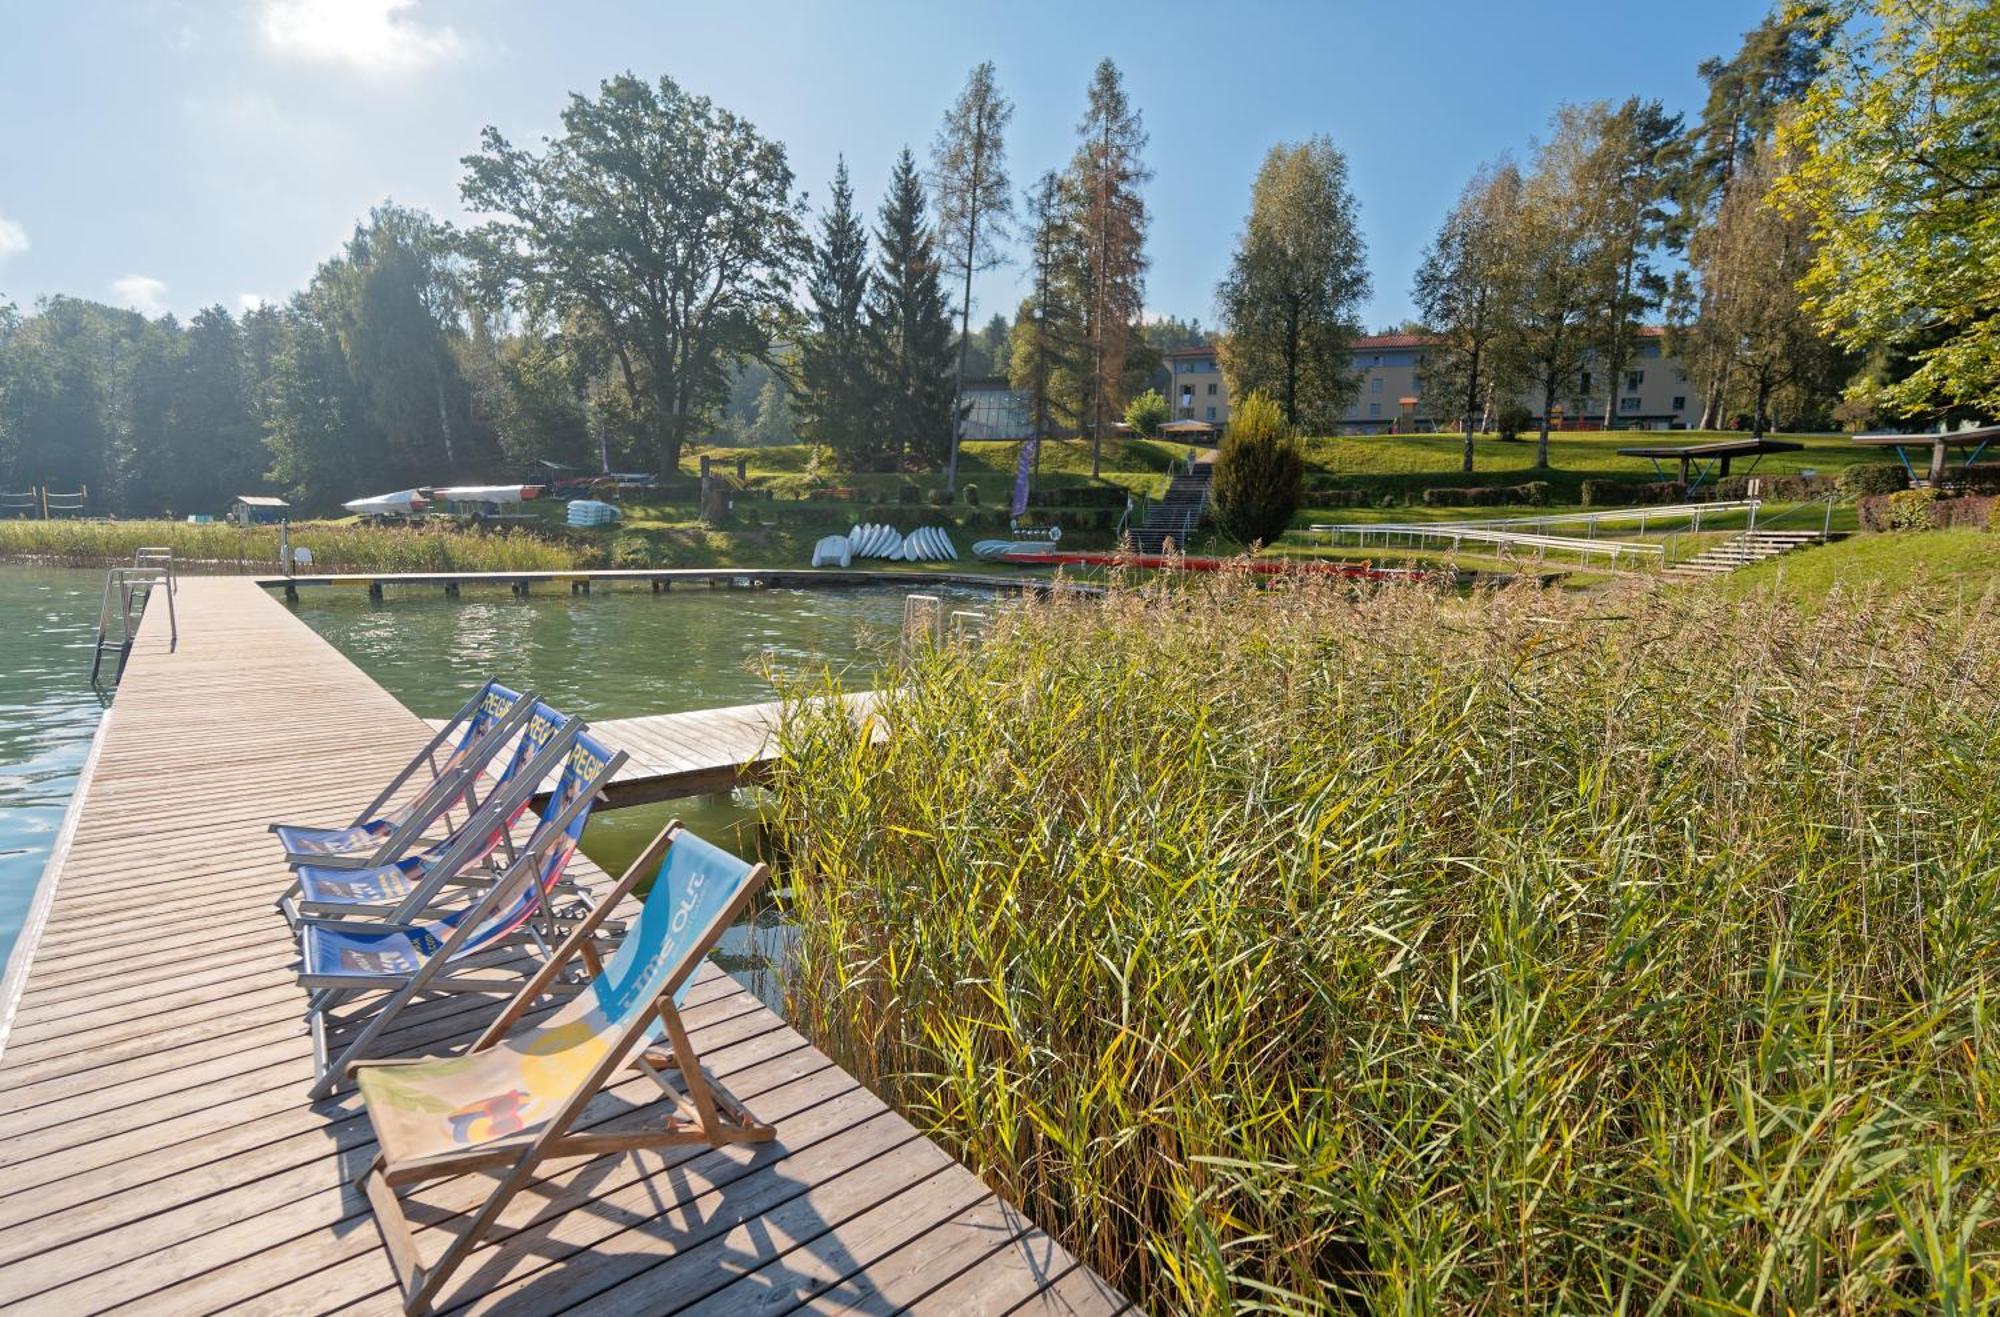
(321, 891)
(335, 955)
(488, 709)
(512, 1102)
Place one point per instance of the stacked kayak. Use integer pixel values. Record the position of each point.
(925, 544)
(833, 551)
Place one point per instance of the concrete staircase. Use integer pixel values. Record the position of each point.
(1740, 551)
(1177, 513)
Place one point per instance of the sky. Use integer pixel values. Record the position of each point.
(173, 154)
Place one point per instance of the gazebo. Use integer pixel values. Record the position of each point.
(1711, 455)
(1939, 444)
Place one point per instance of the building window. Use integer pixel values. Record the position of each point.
(1628, 404)
(1211, 390)
(1378, 358)
(1649, 349)
(1375, 384)
(1634, 378)
(1374, 409)
(1680, 403)
(1586, 382)
(1211, 413)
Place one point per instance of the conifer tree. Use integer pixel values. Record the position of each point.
(975, 201)
(909, 324)
(834, 405)
(1103, 185)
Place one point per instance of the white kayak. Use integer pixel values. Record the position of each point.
(833, 551)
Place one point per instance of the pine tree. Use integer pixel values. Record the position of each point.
(1103, 186)
(975, 201)
(1045, 355)
(909, 325)
(834, 405)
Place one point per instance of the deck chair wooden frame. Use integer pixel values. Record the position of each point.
(463, 861)
(706, 1114)
(453, 788)
(440, 975)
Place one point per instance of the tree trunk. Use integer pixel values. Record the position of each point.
(1292, 362)
(1616, 356)
(964, 332)
(1548, 403)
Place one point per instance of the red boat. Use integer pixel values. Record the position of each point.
(1353, 571)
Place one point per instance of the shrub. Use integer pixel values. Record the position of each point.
(1535, 493)
(909, 494)
(1784, 489)
(1511, 420)
(631, 551)
(1910, 509)
(1873, 478)
(1260, 473)
(1147, 413)
(1632, 494)
(971, 496)
(937, 498)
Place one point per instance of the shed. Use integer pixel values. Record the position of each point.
(259, 510)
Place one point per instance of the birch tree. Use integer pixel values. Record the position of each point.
(975, 203)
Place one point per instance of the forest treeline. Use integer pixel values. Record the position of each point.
(652, 277)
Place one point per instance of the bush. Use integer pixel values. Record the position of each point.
(909, 494)
(1874, 478)
(631, 551)
(971, 496)
(938, 498)
(1535, 493)
(1631, 494)
(1511, 420)
(1260, 473)
(1147, 413)
(1910, 509)
(1783, 489)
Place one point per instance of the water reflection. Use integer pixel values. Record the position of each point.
(626, 654)
(48, 621)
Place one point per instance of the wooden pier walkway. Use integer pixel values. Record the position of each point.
(157, 1150)
(669, 755)
(580, 580)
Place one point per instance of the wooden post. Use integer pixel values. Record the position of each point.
(375, 590)
(451, 589)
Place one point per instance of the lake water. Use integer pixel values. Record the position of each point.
(48, 713)
(621, 654)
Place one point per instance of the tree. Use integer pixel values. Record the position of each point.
(975, 202)
(1110, 228)
(835, 402)
(774, 414)
(1147, 412)
(1747, 94)
(1639, 159)
(1898, 174)
(1463, 296)
(1045, 357)
(909, 323)
(319, 438)
(1260, 472)
(660, 222)
(1291, 303)
(1753, 256)
(1555, 264)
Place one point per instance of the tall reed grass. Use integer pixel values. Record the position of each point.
(1294, 950)
(336, 547)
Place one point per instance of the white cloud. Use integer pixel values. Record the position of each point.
(142, 292)
(248, 302)
(13, 238)
(368, 36)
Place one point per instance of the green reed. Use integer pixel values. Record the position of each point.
(1293, 949)
(336, 547)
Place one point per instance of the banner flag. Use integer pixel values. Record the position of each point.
(1021, 470)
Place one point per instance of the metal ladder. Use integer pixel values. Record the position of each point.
(152, 567)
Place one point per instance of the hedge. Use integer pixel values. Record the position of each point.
(1873, 478)
(1631, 494)
(1923, 509)
(1784, 489)
(1535, 493)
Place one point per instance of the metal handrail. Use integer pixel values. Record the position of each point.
(125, 585)
(1643, 515)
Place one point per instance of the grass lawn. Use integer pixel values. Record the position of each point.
(1964, 561)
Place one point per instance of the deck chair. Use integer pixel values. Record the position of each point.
(380, 834)
(458, 951)
(403, 887)
(510, 1104)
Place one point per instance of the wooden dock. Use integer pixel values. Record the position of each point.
(157, 1150)
(657, 579)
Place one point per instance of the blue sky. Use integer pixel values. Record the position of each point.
(172, 154)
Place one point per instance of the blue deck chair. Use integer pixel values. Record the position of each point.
(509, 1104)
(456, 952)
(405, 886)
(380, 834)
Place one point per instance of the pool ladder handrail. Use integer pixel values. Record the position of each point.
(125, 584)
